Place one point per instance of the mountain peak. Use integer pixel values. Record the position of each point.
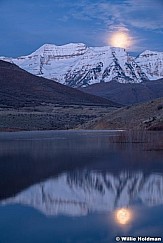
(63, 50)
(149, 53)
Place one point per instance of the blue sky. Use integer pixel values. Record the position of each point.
(25, 25)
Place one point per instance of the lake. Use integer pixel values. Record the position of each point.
(80, 187)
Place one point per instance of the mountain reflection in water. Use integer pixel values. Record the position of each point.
(32, 157)
(83, 192)
(79, 186)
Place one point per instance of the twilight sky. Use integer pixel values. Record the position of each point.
(25, 25)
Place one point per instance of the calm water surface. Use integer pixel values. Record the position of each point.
(78, 186)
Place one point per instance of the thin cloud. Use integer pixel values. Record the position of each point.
(140, 14)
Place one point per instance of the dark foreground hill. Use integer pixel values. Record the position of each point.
(28, 102)
(147, 115)
(127, 93)
(20, 88)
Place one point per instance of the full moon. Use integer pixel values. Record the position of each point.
(120, 39)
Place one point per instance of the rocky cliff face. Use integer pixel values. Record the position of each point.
(77, 65)
(79, 193)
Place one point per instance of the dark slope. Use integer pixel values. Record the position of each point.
(20, 88)
(148, 115)
(127, 93)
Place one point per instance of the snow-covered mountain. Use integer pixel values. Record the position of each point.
(80, 193)
(77, 65)
(151, 64)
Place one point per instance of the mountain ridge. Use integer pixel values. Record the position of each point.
(78, 65)
(127, 94)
